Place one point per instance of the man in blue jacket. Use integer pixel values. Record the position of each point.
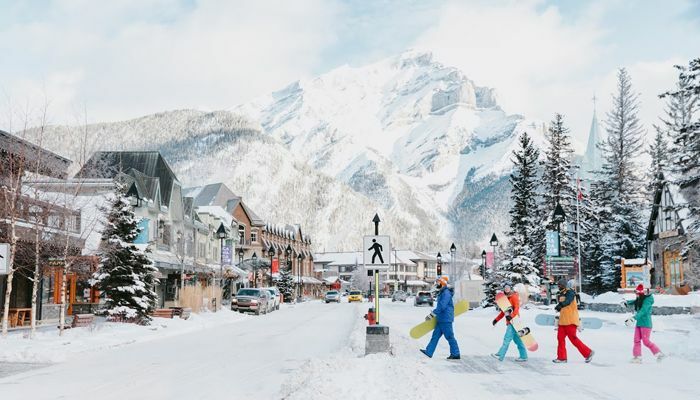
(445, 314)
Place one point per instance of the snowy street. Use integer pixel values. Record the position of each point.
(316, 351)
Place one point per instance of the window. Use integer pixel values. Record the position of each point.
(72, 223)
(254, 237)
(241, 233)
(54, 221)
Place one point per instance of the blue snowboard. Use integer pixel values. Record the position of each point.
(552, 320)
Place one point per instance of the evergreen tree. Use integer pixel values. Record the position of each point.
(658, 169)
(594, 264)
(125, 275)
(520, 269)
(557, 178)
(286, 283)
(621, 180)
(523, 213)
(492, 284)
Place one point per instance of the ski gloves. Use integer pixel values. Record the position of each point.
(429, 317)
(495, 321)
(508, 318)
(558, 307)
(630, 321)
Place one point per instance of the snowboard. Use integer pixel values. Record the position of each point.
(424, 327)
(552, 320)
(523, 331)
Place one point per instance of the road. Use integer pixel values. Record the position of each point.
(248, 360)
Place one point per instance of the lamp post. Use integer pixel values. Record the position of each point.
(453, 266)
(221, 234)
(288, 255)
(494, 244)
(558, 218)
(439, 265)
(254, 259)
(299, 258)
(483, 264)
(271, 253)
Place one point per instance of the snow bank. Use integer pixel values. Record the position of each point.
(48, 347)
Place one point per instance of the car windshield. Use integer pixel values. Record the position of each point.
(272, 291)
(248, 292)
(332, 293)
(423, 294)
(355, 292)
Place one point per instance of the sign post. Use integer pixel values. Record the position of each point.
(377, 257)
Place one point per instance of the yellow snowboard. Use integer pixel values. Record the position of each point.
(425, 327)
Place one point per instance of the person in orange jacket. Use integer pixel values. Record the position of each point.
(568, 324)
(511, 335)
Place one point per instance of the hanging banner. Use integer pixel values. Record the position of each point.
(489, 259)
(142, 238)
(552, 243)
(4, 258)
(226, 255)
(275, 266)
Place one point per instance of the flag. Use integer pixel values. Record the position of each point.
(578, 188)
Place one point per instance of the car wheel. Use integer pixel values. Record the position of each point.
(257, 312)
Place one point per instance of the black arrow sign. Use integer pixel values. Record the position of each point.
(376, 221)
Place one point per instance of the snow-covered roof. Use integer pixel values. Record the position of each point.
(217, 212)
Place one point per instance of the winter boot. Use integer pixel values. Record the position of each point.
(451, 357)
(425, 352)
(521, 360)
(558, 361)
(496, 356)
(590, 357)
(660, 356)
(636, 360)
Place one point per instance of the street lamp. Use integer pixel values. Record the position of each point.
(483, 264)
(453, 267)
(558, 218)
(271, 253)
(439, 265)
(221, 234)
(494, 244)
(299, 258)
(288, 255)
(254, 259)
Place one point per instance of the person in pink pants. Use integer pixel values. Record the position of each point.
(642, 321)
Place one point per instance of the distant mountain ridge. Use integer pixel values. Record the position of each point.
(407, 137)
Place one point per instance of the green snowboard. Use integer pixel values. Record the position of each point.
(425, 327)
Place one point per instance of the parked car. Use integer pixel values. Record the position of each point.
(423, 298)
(251, 300)
(399, 295)
(276, 297)
(355, 295)
(332, 295)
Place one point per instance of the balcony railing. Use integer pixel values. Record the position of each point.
(46, 214)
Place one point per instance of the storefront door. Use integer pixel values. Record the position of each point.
(673, 268)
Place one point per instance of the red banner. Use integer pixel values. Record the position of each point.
(275, 265)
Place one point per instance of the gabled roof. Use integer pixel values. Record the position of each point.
(48, 163)
(109, 164)
(680, 198)
(218, 194)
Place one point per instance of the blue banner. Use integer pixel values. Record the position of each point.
(142, 238)
(226, 255)
(552, 243)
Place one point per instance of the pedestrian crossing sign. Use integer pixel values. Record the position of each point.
(376, 252)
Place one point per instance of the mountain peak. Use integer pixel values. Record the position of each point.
(413, 58)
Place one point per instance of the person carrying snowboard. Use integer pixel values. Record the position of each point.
(642, 320)
(444, 312)
(511, 334)
(569, 322)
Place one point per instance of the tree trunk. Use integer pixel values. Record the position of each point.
(10, 275)
(37, 279)
(62, 314)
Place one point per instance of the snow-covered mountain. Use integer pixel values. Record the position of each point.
(409, 133)
(407, 137)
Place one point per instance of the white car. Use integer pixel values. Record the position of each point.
(276, 298)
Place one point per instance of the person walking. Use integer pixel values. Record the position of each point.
(569, 322)
(511, 335)
(642, 321)
(444, 312)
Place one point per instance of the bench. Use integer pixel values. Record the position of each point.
(185, 313)
(164, 313)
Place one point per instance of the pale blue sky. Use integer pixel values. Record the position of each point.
(122, 59)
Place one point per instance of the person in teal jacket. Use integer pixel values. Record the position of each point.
(642, 320)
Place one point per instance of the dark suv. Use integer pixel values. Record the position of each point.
(423, 298)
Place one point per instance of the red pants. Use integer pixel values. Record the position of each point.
(569, 331)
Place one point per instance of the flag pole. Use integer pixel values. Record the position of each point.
(578, 231)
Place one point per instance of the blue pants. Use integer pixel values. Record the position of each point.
(512, 335)
(444, 328)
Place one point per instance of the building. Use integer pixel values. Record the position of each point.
(593, 157)
(56, 225)
(290, 246)
(668, 234)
